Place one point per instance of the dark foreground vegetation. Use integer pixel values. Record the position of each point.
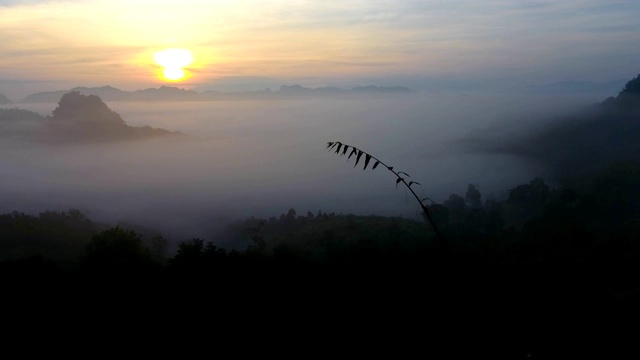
(516, 277)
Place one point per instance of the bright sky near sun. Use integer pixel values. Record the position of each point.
(98, 42)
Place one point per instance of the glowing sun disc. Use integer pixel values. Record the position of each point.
(173, 73)
(173, 60)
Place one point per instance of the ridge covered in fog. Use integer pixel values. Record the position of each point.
(582, 141)
(5, 100)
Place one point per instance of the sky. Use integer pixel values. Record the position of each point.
(251, 44)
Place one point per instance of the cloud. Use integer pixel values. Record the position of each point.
(257, 38)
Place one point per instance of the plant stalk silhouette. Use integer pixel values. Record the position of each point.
(342, 149)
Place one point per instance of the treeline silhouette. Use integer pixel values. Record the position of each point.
(533, 267)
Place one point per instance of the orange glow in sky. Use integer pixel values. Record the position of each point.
(136, 44)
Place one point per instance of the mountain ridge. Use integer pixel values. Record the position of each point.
(172, 93)
(576, 87)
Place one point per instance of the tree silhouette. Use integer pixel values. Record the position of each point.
(473, 198)
(117, 251)
(457, 208)
(632, 86)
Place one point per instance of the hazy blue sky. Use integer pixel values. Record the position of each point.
(61, 44)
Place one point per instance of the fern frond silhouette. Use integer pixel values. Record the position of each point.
(400, 175)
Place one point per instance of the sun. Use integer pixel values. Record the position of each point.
(173, 60)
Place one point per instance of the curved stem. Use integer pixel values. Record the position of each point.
(424, 208)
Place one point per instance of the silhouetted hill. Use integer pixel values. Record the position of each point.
(16, 122)
(5, 100)
(589, 140)
(104, 92)
(44, 97)
(294, 89)
(78, 118)
(85, 118)
(383, 90)
(170, 93)
(163, 93)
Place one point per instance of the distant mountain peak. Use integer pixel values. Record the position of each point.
(86, 118)
(335, 90)
(105, 87)
(295, 87)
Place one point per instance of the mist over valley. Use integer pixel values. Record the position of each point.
(246, 158)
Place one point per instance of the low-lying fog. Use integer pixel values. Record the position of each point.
(260, 158)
